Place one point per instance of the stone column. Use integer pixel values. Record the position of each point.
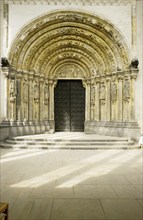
(92, 99)
(46, 99)
(97, 99)
(30, 77)
(120, 99)
(133, 77)
(18, 104)
(103, 101)
(108, 99)
(12, 99)
(41, 80)
(51, 100)
(36, 97)
(24, 97)
(87, 101)
(126, 99)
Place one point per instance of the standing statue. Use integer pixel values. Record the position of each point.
(36, 92)
(113, 92)
(46, 96)
(12, 90)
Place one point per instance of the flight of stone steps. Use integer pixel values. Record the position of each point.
(68, 142)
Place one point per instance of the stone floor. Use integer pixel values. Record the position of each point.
(72, 184)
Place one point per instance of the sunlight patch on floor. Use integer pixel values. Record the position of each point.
(69, 169)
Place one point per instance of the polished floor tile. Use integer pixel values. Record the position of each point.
(122, 209)
(77, 209)
(72, 184)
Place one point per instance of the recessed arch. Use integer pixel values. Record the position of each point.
(46, 32)
(71, 45)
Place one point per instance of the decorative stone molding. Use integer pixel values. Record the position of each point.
(79, 42)
(71, 2)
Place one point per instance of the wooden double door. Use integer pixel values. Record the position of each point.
(69, 105)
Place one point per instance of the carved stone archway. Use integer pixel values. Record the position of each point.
(72, 45)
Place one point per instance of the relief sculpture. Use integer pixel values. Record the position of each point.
(25, 91)
(36, 92)
(46, 96)
(102, 93)
(126, 90)
(114, 92)
(12, 90)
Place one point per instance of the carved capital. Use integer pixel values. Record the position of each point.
(5, 71)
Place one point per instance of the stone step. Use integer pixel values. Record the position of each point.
(69, 147)
(68, 141)
(71, 142)
(65, 140)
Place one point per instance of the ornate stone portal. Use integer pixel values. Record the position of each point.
(72, 45)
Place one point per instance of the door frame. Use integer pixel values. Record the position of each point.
(71, 110)
(52, 84)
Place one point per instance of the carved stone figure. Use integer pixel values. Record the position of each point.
(102, 92)
(113, 92)
(4, 62)
(25, 91)
(126, 90)
(36, 92)
(12, 90)
(46, 96)
(134, 63)
(92, 95)
(93, 72)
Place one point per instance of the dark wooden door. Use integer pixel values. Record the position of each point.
(69, 105)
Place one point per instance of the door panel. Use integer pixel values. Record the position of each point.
(69, 105)
(77, 106)
(62, 106)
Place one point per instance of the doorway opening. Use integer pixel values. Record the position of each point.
(69, 105)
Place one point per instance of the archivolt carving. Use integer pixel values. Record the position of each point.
(92, 29)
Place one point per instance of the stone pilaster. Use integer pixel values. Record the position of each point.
(102, 101)
(12, 99)
(108, 99)
(36, 98)
(92, 99)
(133, 77)
(126, 98)
(52, 84)
(120, 99)
(19, 105)
(24, 96)
(30, 77)
(87, 110)
(46, 99)
(41, 81)
(97, 99)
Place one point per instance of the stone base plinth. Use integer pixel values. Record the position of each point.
(119, 129)
(8, 129)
